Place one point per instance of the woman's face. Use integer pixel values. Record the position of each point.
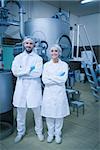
(54, 53)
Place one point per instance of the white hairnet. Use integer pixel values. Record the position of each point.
(56, 46)
(26, 38)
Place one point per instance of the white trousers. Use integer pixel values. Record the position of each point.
(54, 126)
(21, 120)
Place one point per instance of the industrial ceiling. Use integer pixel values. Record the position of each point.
(75, 7)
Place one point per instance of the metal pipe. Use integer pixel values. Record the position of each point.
(77, 52)
(90, 44)
(14, 23)
(21, 20)
(21, 23)
(73, 34)
(0, 40)
(2, 3)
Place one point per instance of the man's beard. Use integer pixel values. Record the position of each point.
(28, 51)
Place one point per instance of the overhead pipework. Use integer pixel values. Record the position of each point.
(4, 17)
(62, 15)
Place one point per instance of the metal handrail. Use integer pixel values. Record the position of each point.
(78, 42)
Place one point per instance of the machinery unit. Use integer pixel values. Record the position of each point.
(46, 32)
(50, 30)
(6, 91)
(6, 109)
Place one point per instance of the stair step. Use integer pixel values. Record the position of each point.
(77, 59)
(89, 74)
(94, 63)
(97, 96)
(92, 82)
(93, 88)
(98, 87)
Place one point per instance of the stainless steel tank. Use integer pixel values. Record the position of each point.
(6, 91)
(6, 109)
(47, 29)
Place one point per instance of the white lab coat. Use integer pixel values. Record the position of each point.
(28, 86)
(55, 101)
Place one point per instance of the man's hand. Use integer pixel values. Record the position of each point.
(61, 74)
(32, 68)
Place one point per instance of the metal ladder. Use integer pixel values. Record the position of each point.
(90, 68)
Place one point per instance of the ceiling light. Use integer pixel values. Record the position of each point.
(86, 1)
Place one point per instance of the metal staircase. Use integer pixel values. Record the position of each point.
(91, 68)
(93, 79)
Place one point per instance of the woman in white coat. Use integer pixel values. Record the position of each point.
(27, 67)
(55, 103)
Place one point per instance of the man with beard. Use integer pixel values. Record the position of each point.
(27, 67)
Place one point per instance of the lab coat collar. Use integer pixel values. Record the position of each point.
(55, 63)
(30, 54)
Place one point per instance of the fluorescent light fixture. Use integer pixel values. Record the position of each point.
(86, 1)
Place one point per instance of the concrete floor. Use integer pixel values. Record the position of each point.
(79, 133)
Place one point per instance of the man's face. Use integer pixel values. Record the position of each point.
(28, 44)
